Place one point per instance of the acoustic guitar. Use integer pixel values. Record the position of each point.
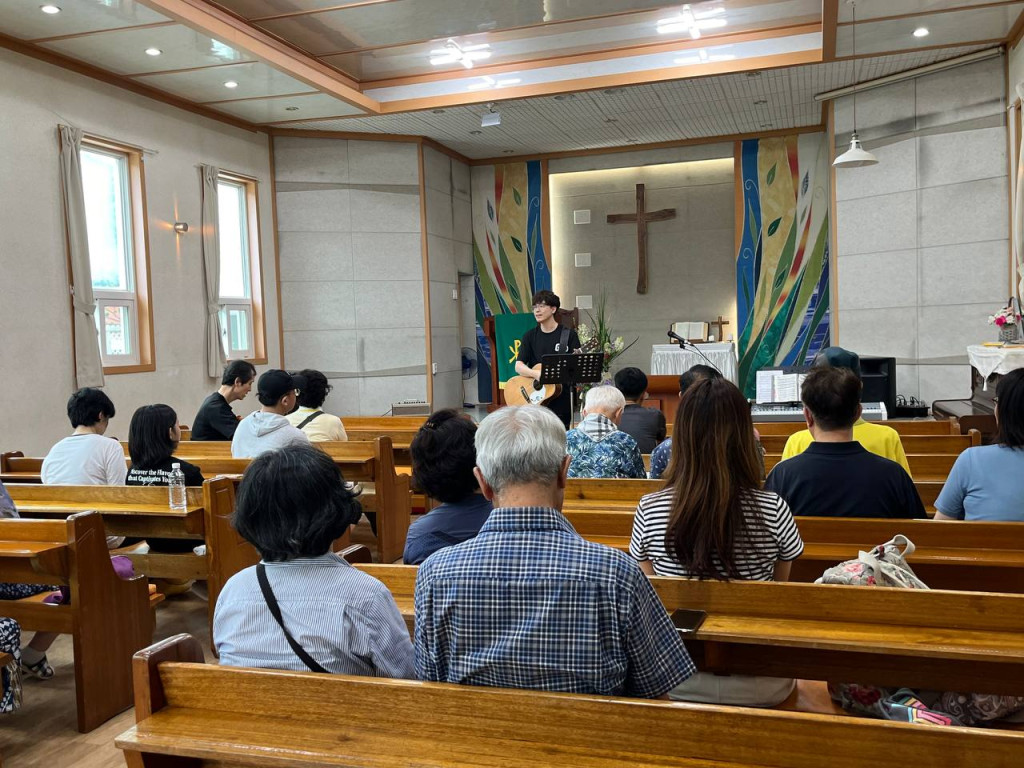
(520, 390)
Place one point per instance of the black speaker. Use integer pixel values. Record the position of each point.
(879, 377)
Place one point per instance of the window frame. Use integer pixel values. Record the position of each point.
(139, 298)
(254, 305)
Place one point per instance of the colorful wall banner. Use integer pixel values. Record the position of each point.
(510, 259)
(782, 266)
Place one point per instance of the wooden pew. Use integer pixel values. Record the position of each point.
(144, 512)
(933, 639)
(108, 618)
(277, 718)
(369, 462)
(930, 466)
(927, 444)
(16, 468)
(975, 557)
(903, 426)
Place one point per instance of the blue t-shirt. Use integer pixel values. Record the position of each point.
(986, 483)
(660, 457)
(445, 525)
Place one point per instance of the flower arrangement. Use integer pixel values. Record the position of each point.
(1005, 316)
(598, 336)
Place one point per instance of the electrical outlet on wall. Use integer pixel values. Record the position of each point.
(433, 368)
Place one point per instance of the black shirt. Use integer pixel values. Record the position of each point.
(161, 473)
(215, 420)
(845, 480)
(645, 425)
(535, 344)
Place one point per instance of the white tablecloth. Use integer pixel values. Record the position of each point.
(989, 360)
(669, 359)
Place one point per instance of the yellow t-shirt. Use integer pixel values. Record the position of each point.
(877, 438)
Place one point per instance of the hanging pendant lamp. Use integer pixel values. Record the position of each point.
(856, 156)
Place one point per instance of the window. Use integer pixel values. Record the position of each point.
(241, 314)
(118, 254)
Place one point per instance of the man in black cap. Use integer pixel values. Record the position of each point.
(267, 429)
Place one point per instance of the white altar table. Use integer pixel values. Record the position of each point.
(989, 360)
(669, 359)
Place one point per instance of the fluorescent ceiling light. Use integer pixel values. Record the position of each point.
(489, 82)
(921, 32)
(453, 53)
(50, 9)
(694, 23)
(703, 57)
(230, 84)
(153, 51)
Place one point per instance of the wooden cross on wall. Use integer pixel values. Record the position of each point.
(641, 218)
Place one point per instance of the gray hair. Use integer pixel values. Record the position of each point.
(520, 445)
(605, 399)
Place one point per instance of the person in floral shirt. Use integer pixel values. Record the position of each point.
(597, 447)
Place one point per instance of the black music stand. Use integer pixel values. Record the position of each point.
(572, 369)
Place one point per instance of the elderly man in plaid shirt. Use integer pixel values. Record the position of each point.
(528, 603)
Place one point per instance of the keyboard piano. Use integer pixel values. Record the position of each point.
(795, 412)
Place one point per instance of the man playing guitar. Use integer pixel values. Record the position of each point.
(547, 338)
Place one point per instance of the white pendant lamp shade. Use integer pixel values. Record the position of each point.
(856, 156)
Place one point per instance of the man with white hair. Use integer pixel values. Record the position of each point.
(597, 447)
(528, 603)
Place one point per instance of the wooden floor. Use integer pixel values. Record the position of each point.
(42, 733)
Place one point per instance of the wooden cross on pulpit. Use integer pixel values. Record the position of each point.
(721, 322)
(641, 218)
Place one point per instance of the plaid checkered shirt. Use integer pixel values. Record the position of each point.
(529, 604)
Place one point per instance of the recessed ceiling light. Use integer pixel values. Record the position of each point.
(153, 51)
(453, 53)
(753, 74)
(230, 84)
(565, 96)
(921, 32)
(437, 111)
(766, 125)
(291, 109)
(611, 119)
(612, 91)
(759, 102)
(688, 21)
(507, 151)
(475, 132)
(50, 9)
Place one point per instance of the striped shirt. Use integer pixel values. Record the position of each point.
(530, 604)
(770, 535)
(345, 619)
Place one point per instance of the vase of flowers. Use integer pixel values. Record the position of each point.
(597, 336)
(1008, 321)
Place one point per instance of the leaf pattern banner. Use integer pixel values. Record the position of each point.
(783, 293)
(510, 260)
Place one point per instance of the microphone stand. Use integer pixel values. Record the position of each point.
(683, 343)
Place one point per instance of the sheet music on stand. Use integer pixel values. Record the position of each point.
(780, 385)
(570, 369)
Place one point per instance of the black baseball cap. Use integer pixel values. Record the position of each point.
(275, 384)
(837, 357)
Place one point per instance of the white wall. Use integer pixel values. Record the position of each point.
(35, 321)
(450, 249)
(923, 237)
(349, 228)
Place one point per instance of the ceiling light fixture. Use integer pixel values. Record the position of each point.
(703, 57)
(491, 117)
(489, 82)
(475, 132)
(230, 84)
(50, 9)
(291, 109)
(153, 51)
(856, 156)
(921, 32)
(694, 23)
(453, 53)
(564, 96)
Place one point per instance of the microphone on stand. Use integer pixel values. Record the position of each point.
(684, 343)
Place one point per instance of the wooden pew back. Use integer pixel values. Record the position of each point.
(924, 466)
(926, 444)
(904, 427)
(335, 719)
(109, 618)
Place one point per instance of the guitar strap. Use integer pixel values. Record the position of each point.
(563, 341)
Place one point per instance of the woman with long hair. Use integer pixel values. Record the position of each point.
(987, 482)
(713, 521)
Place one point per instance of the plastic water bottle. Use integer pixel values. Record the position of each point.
(176, 489)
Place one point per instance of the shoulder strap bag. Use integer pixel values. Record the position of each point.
(309, 418)
(275, 611)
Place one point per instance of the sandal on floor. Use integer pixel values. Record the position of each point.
(41, 669)
(354, 488)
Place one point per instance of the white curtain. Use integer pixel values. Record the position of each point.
(88, 365)
(1018, 204)
(215, 358)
